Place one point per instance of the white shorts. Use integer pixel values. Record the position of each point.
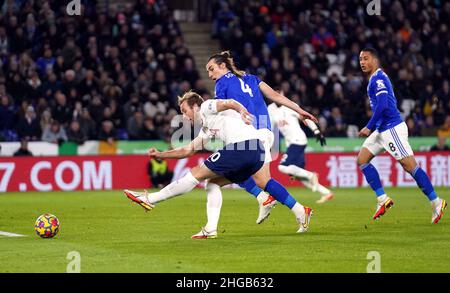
(393, 140)
(267, 137)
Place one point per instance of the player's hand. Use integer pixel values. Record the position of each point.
(153, 153)
(365, 132)
(320, 138)
(246, 116)
(305, 115)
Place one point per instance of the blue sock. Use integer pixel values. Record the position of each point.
(280, 193)
(372, 178)
(424, 182)
(251, 187)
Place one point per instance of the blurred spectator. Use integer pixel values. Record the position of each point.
(46, 119)
(441, 145)
(23, 151)
(135, 125)
(148, 130)
(444, 130)
(101, 60)
(75, 134)
(429, 129)
(413, 130)
(87, 125)
(61, 111)
(28, 126)
(127, 57)
(54, 133)
(7, 113)
(107, 132)
(324, 42)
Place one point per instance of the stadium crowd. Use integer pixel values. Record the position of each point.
(117, 74)
(310, 50)
(112, 75)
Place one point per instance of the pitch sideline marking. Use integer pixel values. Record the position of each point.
(7, 234)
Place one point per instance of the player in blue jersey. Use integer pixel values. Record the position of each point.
(248, 90)
(386, 130)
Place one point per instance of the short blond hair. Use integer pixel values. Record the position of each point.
(192, 98)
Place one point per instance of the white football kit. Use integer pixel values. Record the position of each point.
(227, 125)
(287, 122)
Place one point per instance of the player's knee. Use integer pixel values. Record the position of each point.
(211, 186)
(408, 164)
(362, 161)
(261, 182)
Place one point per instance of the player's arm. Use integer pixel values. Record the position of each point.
(181, 152)
(230, 104)
(382, 98)
(280, 99)
(317, 133)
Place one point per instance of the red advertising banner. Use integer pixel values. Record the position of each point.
(73, 173)
(130, 171)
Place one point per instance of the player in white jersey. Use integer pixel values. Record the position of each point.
(241, 158)
(293, 161)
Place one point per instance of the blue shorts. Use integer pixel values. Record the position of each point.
(295, 155)
(237, 162)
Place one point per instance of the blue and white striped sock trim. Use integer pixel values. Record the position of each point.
(414, 171)
(364, 166)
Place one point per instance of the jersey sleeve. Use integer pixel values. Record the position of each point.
(209, 107)
(258, 81)
(381, 96)
(379, 86)
(272, 109)
(220, 90)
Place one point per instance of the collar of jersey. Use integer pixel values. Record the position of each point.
(374, 73)
(223, 75)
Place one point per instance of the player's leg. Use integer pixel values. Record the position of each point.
(326, 194)
(293, 164)
(178, 187)
(251, 187)
(397, 144)
(213, 207)
(370, 148)
(265, 201)
(303, 214)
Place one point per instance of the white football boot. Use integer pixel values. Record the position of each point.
(203, 234)
(139, 198)
(438, 211)
(304, 223)
(266, 203)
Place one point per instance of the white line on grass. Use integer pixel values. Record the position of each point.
(7, 234)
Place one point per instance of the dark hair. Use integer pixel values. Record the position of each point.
(372, 51)
(225, 57)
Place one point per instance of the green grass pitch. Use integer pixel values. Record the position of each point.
(113, 235)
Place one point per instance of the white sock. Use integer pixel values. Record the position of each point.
(299, 211)
(320, 188)
(435, 202)
(182, 185)
(213, 206)
(382, 198)
(296, 171)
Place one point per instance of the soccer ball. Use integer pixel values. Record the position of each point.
(47, 226)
